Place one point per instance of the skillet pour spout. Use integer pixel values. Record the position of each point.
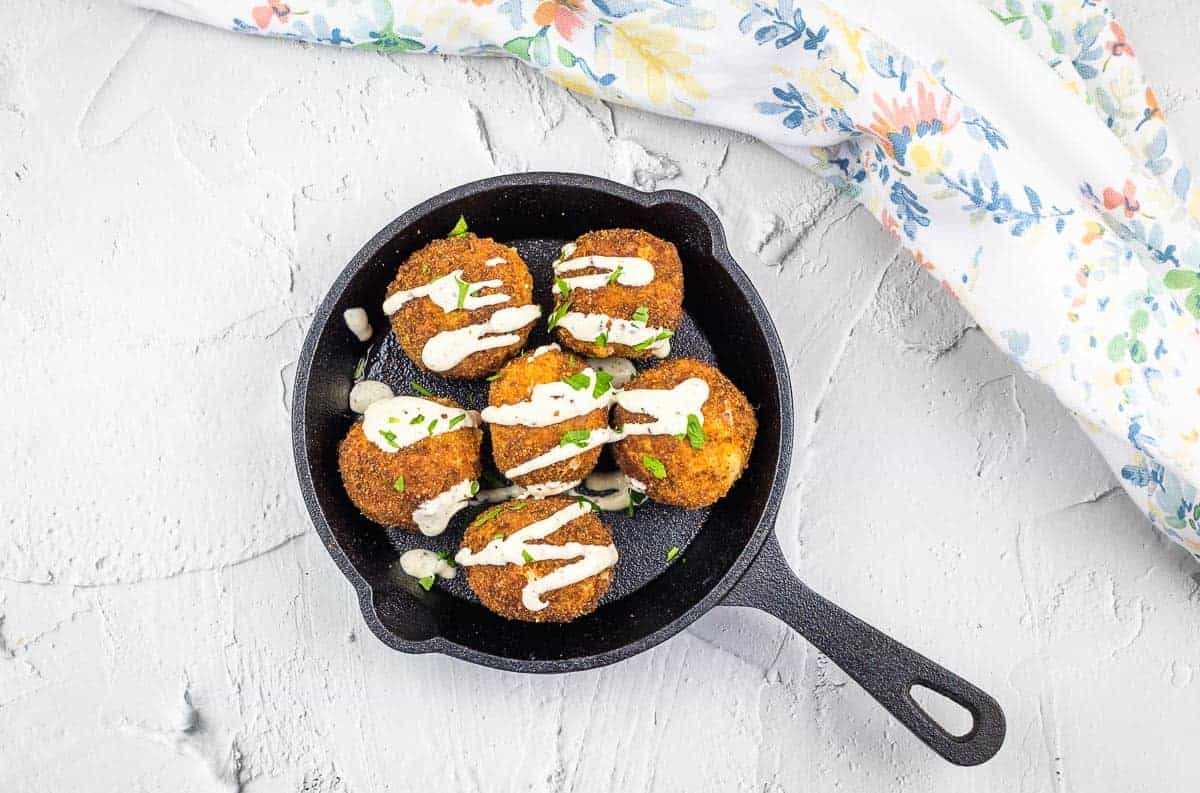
(731, 552)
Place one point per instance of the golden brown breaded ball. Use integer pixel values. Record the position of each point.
(420, 319)
(513, 445)
(499, 587)
(693, 477)
(662, 297)
(429, 467)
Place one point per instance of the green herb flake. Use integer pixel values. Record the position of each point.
(426, 583)
(398, 485)
(612, 279)
(360, 368)
(562, 286)
(654, 466)
(498, 536)
(390, 437)
(585, 500)
(422, 390)
(432, 424)
(641, 314)
(602, 339)
(577, 381)
(447, 558)
(460, 228)
(418, 419)
(636, 499)
(671, 554)
(662, 334)
(460, 418)
(527, 556)
(393, 419)
(464, 289)
(559, 312)
(603, 381)
(474, 487)
(577, 437)
(493, 377)
(695, 432)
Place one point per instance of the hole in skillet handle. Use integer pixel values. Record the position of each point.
(885, 668)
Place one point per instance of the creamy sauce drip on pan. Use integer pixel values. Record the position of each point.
(592, 559)
(358, 323)
(623, 490)
(422, 563)
(538, 490)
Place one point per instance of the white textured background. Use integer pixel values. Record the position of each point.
(174, 201)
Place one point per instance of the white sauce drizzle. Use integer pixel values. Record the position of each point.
(597, 437)
(392, 424)
(433, 516)
(633, 271)
(449, 348)
(367, 392)
(492, 262)
(669, 407)
(422, 563)
(622, 485)
(586, 327)
(545, 348)
(539, 490)
(357, 322)
(444, 292)
(593, 559)
(551, 403)
(621, 369)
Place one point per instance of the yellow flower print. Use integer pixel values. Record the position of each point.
(1094, 232)
(655, 63)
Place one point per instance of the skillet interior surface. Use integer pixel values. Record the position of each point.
(723, 323)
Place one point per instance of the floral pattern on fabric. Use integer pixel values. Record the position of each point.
(1092, 287)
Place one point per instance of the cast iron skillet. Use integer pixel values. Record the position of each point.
(730, 554)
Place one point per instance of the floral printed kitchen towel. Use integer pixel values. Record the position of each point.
(1014, 147)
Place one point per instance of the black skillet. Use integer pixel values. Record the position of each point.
(729, 556)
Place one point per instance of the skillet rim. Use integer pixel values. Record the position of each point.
(758, 315)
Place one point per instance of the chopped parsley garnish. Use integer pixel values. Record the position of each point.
(454, 422)
(577, 381)
(426, 583)
(493, 377)
(492, 512)
(562, 286)
(612, 279)
(498, 536)
(641, 314)
(398, 485)
(636, 499)
(654, 466)
(695, 432)
(418, 419)
(460, 228)
(393, 419)
(526, 555)
(390, 437)
(662, 334)
(463, 290)
(360, 369)
(474, 487)
(585, 500)
(422, 390)
(602, 339)
(447, 558)
(432, 424)
(671, 554)
(559, 312)
(603, 381)
(577, 437)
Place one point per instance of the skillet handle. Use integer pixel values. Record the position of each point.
(886, 669)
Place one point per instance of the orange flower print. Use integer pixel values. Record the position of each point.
(1119, 45)
(895, 125)
(1128, 199)
(563, 14)
(890, 224)
(263, 15)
